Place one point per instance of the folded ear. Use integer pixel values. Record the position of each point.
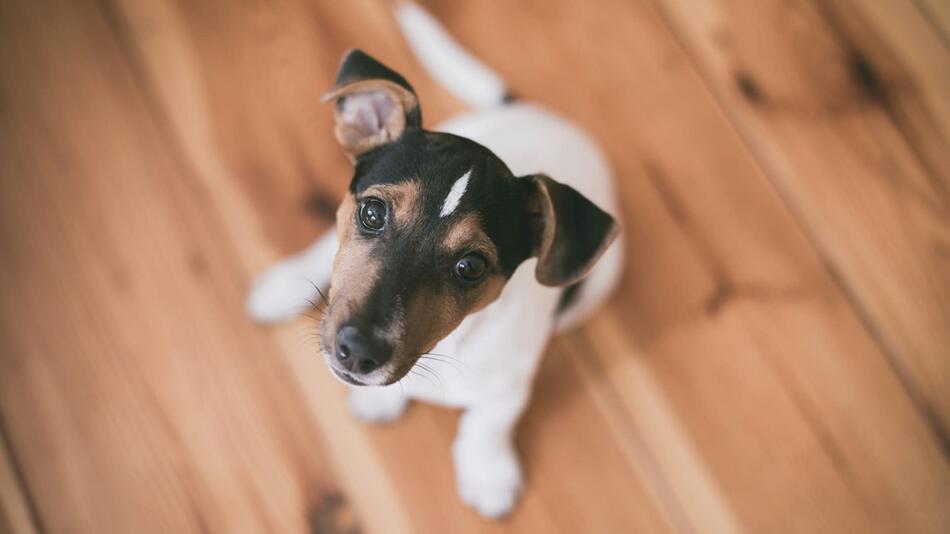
(374, 105)
(569, 231)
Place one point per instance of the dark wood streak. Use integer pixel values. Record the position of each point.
(6, 447)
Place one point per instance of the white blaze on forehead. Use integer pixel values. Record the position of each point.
(455, 195)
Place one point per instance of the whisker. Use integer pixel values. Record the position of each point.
(303, 310)
(307, 311)
(428, 371)
(414, 372)
(454, 365)
(319, 292)
(306, 336)
(309, 314)
(310, 306)
(434, 375)
(322, 295)
(441, 358)
(314, 305)
(453, 358)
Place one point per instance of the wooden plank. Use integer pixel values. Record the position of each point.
(776, 433)
(904, 65)
(818, 120)
(134, 395)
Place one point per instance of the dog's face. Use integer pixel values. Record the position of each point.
(431, 229)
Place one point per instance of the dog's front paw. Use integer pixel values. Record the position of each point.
(377, 404)
(279, 294)
(489, 479)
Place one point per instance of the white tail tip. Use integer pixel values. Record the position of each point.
(450, 64)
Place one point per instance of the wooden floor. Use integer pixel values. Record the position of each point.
(776, 360)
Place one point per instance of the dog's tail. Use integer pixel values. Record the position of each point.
(451, 65)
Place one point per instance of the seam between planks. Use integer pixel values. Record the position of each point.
(127, 44)
(933, 22)
(648, 463)
(921, 404)
(881, 97)
(29, 502)
(130, 52)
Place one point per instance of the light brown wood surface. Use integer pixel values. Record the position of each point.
(775, 360)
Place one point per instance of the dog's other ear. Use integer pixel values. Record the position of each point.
(374, 105)
(569, 232)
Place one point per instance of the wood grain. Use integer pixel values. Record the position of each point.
(859, 156)
(136, 396)
(16, 514)
(767, 365)
(937, 13)
(905, 65)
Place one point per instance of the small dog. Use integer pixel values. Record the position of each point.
(453, 247)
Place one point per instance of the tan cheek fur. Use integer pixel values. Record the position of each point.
(431, 318)
(403, 197)
(468, 232)
(354, 272)
(434, 315)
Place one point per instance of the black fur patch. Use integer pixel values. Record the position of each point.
(436, 161)
(358, 66)
(569, 297)
(574, 232)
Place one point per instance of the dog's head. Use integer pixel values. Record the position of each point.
(432, 228)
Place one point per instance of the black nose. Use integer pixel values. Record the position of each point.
(359, 353)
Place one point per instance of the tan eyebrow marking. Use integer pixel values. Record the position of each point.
(402, 196)
(468, 233)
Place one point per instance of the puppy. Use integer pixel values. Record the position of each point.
(455, 255)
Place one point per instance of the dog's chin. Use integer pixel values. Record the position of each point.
(345, 377)
(385, 376)
(374, 379)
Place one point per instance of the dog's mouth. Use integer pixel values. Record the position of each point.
(382, 377)
(346, 377)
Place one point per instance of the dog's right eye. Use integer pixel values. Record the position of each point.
(470, 268)
(372, 215)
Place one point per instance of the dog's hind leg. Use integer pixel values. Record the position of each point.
(294, 285)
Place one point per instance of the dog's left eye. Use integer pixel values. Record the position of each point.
(372, 215)
(470, 268)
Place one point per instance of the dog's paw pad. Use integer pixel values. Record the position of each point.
(491, 485)
(375, 406)
(279, 294)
